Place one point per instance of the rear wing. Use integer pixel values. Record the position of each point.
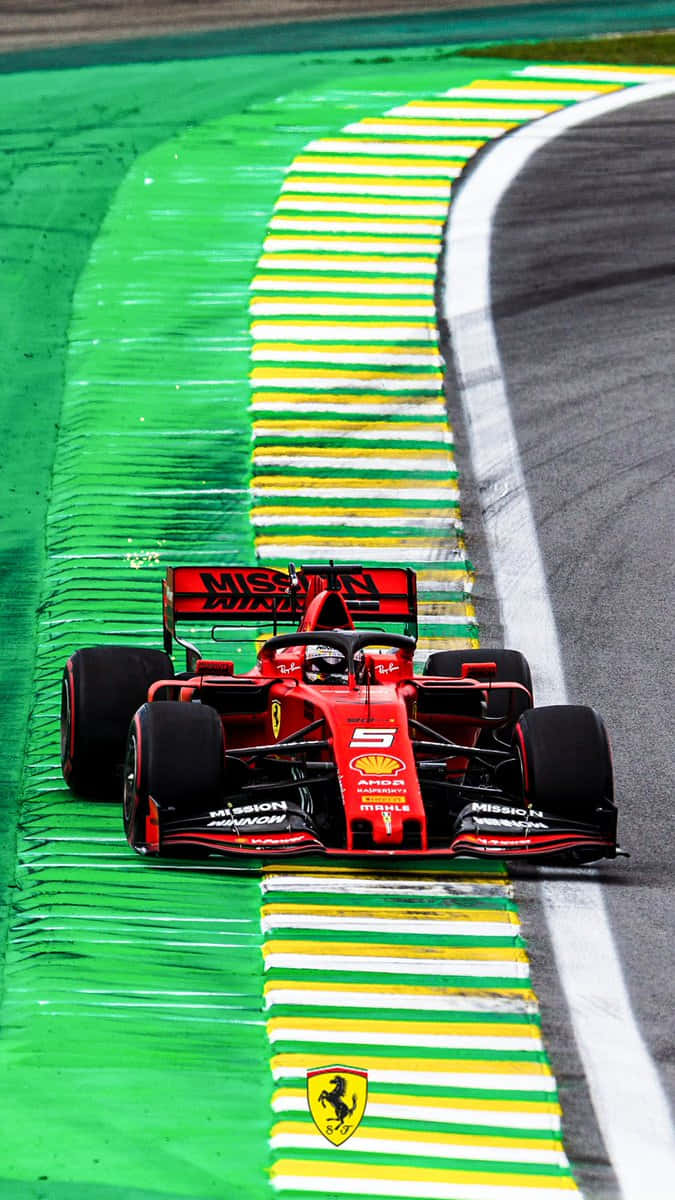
(238, 595)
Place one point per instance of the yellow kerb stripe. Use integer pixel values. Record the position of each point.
(393, 950)
(448, 643)
(262, 483)
(338, 262)
(443, 454)
(350, 510)
(344, 1169)
(611, 68)
(352, 302)
(410, 913)
(514, 1067)
(524, 995)
(481, 1104)
(495, 873)
(291, 348)
(521, 1029)
(296, 177)
(532, 85)
(444, 1138)
(357, 373)
(332, 538)
(278, 424)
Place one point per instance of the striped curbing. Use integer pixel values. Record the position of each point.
(418, 975)
(343, 325)
(362, 379)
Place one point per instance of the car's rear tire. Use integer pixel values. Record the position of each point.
(512, 667)
(565, 759)
(102, 688)
(175, 754)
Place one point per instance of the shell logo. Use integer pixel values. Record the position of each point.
(377, 764)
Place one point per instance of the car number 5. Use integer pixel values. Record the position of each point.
(373, 739)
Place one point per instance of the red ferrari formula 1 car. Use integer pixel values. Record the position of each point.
(332, 742)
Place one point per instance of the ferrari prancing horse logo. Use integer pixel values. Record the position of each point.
(276, 718)
(337, 1098)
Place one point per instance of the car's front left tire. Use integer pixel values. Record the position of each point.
(175, 762)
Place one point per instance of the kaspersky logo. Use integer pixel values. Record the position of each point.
(337, 1098)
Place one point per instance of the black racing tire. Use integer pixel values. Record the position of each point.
(102, 688)
(565, 759)
(512, 667)
(176, 755)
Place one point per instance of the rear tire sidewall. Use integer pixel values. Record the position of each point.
(101, 689)
(512, 667)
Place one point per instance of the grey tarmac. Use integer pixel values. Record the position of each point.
(583, 292)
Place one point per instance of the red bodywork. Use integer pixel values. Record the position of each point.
(366, 738)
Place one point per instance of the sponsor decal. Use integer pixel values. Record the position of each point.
(337, 1098)
(507, 823)
(290, 670)
(386, 807)
(503, 811)
(276, 718)
(386, 670)
(264, 590)
(373, 739)
(265, 806)
(233, 820)
(386, 818)
(377, 764)
(278, 839)
(390, 788)
(244, 590)
(382, 799)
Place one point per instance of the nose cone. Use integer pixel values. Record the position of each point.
(387, 828)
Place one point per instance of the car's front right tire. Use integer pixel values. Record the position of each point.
(565, 759)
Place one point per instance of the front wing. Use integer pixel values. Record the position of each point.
(479, 831)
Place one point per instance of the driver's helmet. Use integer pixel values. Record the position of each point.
(326, 664)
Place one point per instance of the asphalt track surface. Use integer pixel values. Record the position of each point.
(43, 24)
(583, 290)
(67, 22)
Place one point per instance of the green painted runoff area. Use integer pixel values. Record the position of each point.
(133, 205)
(136, 200)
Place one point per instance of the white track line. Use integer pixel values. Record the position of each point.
(629, 1100)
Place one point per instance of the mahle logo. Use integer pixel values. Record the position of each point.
(337, 1098)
